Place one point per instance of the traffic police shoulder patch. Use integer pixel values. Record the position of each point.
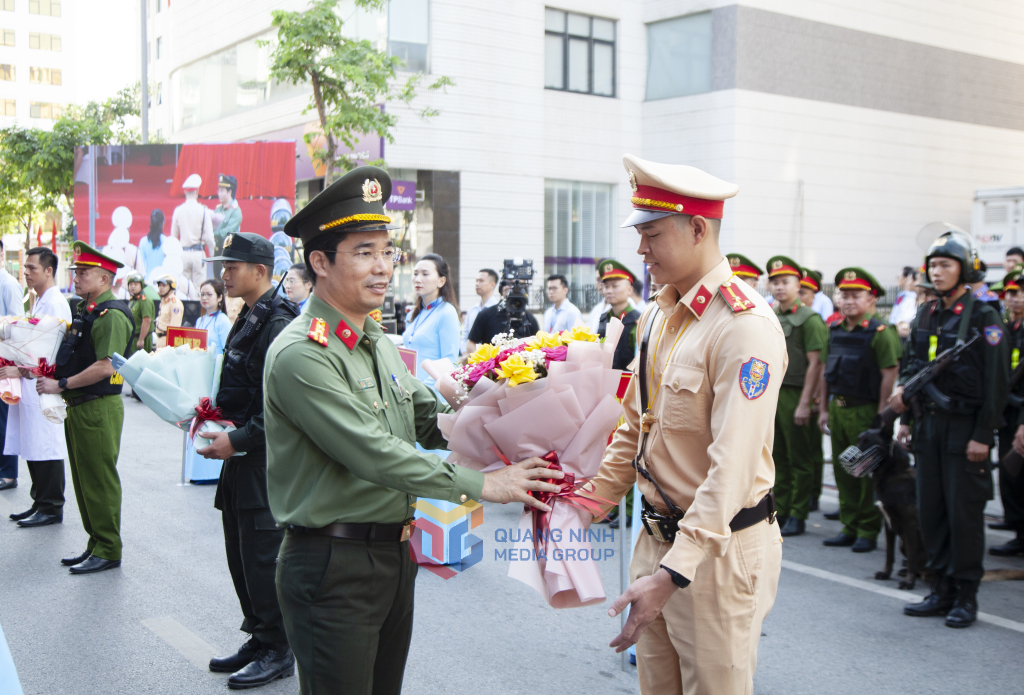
(734, 297)
(754, 378)
(993, 335)
(318, 332)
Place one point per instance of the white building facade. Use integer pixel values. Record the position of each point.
(847, 125)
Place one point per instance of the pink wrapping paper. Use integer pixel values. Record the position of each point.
(570, 412)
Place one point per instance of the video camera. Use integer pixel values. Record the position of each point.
(517, 273)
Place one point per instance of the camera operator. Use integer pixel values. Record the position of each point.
(510, 313)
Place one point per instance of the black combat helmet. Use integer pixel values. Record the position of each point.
(955, 244)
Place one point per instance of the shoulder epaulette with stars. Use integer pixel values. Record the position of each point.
(104, 312)
(734, 297)
(881, 327)
(318, 332)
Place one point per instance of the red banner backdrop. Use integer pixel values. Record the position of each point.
(263, 169)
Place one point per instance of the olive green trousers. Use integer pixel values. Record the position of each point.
(857, 509)
(794, 456)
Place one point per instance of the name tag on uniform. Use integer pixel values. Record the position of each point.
(367, 383)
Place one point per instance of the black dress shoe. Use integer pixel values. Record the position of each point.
(938, 602)
(965, 608)
(814, 505)
(781, 521)
(864, 545)
(841, 541)
(8, 484)
(94, 564)
(1002, 526)
(23, 515)
(40, 519)
(794, 527)
(272, 662)
(243, 657)
(832, 516)
(69, 561)
(1014, 547)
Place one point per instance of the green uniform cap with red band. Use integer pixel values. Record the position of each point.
(811, 279)
(85, 256)
(1010, 281)
(783, 265)
(854, 278)
(611, 269)
(742, 266)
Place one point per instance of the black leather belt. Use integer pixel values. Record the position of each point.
(361, 532)
(79, 400)
(663, 527)
(847, 402)
(194, 247)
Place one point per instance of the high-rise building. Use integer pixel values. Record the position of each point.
(847, 125)
(36, 72)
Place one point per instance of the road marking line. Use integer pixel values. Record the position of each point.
(891, 593)
(187, 643)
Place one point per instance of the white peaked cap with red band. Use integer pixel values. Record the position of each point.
(660, 190)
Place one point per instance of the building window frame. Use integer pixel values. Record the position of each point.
(7, 72)
(44, 109)
(8, 108)
(567, 35)
(579, 230)
(46, 8)
(7, 37)
(7, 5)
(40, 39)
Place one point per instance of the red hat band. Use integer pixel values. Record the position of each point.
(745, 271)
(660, 200)
(86, 258)
(857, 284)
(784, 270)
(614, 274)
(1011, 285)
(810, 284)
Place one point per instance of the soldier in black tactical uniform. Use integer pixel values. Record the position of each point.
(1011, 488)
(251, 536)
(953, 432)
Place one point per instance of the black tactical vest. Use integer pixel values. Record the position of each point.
(76, 353)
(962, 380)
(1015, 334)
(240, 397)
(850, 369)
(624, 353)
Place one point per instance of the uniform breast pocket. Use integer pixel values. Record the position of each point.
(684, 408)
(402, 407)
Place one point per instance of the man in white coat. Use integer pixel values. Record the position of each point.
(29, 434)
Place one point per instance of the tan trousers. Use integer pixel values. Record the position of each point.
(705, 640)
(194, 270)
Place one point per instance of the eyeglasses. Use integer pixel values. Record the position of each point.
(367, 257)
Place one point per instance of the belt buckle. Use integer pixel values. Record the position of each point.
(771, 517)
(407, 530)
(653, 528)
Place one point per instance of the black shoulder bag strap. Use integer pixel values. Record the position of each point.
(642, 376)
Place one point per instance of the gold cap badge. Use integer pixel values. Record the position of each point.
(228, 240)
(850, 275)
(734, 261)
(632, 180)
(371, 191)
(776, 265)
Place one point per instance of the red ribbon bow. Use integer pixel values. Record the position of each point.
(48, 371)
(205, 412)
(6, 363)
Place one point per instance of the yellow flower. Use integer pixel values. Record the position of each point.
(544, 340)
(516, 370)
(580, 334)
(483, 353)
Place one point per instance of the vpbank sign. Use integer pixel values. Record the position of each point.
(441, 540)
(403, 195)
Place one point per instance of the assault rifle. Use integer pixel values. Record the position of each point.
(1013, 461)
(853, 458)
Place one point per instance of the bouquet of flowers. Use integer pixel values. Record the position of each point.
(32, 342)
(179, 385)
(551, 396)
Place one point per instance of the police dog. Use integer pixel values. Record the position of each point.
(896, 496)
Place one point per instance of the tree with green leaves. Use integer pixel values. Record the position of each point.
(351, 80)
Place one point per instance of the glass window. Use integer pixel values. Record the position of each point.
(159, 47)
(7, 73)
(409, 32)
(45, 7)
(44, 76)
(44, 42)
(7, 5)
(39, 109)
(6, 37)
(679, 56)
(7, 107)
(579, 53)
(578, 231)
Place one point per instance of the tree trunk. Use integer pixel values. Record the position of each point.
(321, 111)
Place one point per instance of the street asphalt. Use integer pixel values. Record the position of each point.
(151, 625)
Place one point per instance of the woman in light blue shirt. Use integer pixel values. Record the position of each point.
(151, 247)
(433, 329)
(214, 319)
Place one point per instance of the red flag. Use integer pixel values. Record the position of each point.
(53, 239)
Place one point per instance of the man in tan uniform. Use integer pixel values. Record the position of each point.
(701, 583)
(192, 225)
(172, 311)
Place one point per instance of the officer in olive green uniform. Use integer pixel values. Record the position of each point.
(810, 285)
(142, 308)
(954, 431)
(795, 433)
(861, 361)
(745, 269)
(343, 415)
(615, 277)
(91, 388)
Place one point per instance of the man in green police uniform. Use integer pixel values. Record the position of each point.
(143, 313)
(91, 388)
(953, 436)
(806, 337)
(227, 215)
(810, 285)
(343, 416)
(861, 362)
(616, 286)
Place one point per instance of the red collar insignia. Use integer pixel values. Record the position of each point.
(347, 335)
(92, 305)
(958, 308)
(700, 301)
(865, 323)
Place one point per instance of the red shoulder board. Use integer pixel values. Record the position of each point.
(318, 332)
(734, 297)
(347, 335)
(881, 327)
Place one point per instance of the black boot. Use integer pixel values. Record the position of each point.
(1014, 547)
(240, 659)
(793, 527)
(273, 661)
(936, 603)
(965, 609)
